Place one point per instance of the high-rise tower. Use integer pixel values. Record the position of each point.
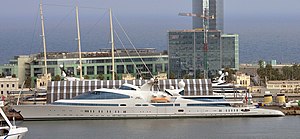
(215, 9)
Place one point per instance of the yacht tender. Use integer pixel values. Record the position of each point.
(10, 131)
(131, 101)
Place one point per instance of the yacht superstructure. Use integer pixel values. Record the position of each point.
(229, 90)
(131, 101)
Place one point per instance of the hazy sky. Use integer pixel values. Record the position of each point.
(27, 10)
(17, 8)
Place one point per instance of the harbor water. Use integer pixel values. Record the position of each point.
(197, 128)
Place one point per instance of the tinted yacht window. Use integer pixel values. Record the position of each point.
(101, 95)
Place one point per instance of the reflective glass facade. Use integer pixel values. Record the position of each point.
(215, 9)
(230, 51)
(187, 55)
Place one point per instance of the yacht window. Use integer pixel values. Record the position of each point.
(211, 105)
(181, 92)
(180, 110)
(101, 95)
(145, 105)
(138, 105)
(177, 104)
(245, 110)
(122, 104)
(162, 105)
(126, 88)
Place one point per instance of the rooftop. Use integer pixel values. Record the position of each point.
(102, 53)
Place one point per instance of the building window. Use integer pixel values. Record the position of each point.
(1, 92)
(130, 68)
(51, 71)
(1, 85)
(37, 71)
(158, 67)
(7, 85)
(13, 85)
(100, 69)
(108, 69)
(120, 68)
(90, 70)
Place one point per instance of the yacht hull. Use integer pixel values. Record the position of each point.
(16, 133)
(56, 112)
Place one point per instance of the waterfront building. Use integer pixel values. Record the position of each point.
(284, 86)
(215, 10)
(95, 64)
(243, 79)
(230, 51)
(8, 84)
(187, 56)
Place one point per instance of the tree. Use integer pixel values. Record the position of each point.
(261, 64)
(187, 76)
(86, 77)
(57, 78)
(172, 75)
(27, 83)
(286, 72)
(2, 75)
(230, 76)
(100, 77)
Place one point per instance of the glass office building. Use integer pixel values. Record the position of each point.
(215, 10)
(230, 51)
(187, 54)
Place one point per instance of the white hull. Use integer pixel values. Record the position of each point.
(17, 133)
(48, 112)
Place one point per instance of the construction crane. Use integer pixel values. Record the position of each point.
(205, 16)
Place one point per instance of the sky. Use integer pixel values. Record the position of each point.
(16, 8)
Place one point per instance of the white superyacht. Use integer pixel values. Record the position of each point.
(131, 101)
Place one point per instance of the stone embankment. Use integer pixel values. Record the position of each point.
(286, 111)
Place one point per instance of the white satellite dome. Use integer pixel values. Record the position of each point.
(181, 84)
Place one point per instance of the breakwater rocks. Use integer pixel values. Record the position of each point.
(286, 111)
(291, 111)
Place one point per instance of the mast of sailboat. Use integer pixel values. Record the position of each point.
(43, 37)
(112, 45)
(79, 44)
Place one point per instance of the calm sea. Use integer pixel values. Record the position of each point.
(260, 38)
(202, 128)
